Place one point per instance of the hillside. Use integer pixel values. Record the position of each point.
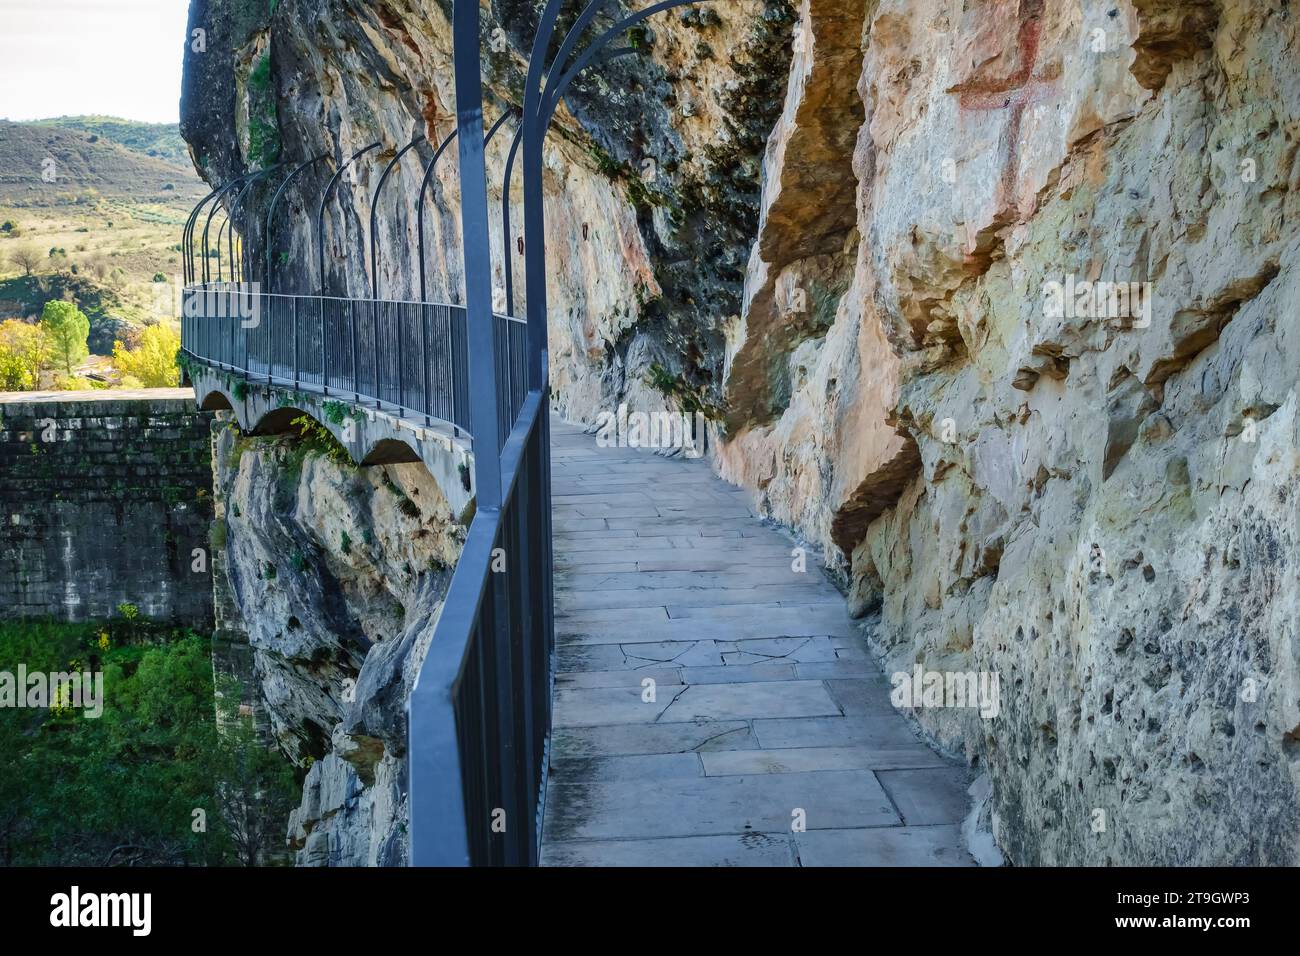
(105, 230)
(159, 140)
(49, 166)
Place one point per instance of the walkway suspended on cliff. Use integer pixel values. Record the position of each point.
(714, 706)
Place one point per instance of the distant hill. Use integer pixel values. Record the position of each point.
(158, 140)
(86, 165)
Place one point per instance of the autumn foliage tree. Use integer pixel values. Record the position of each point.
(152, 362)
(24, 354)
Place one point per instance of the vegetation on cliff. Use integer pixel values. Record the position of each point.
(151, 780)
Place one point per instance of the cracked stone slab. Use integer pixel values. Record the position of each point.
(647, 768)
(716, 805)
(725, 763)
(761, 699)
(568, 630)
(836, 669)
(593, 706)
(693, 579)
(883, 731)
(925, 797)
(664, 677)
(733, 673)
(701, 736)
(685, 597)
(858, 697)
(885, 846)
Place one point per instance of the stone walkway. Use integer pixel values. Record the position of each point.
(709, 698)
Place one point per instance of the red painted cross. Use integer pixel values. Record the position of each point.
(1013, 93)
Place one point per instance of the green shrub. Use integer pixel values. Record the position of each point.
(122, 788)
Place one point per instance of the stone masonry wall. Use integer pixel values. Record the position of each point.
(103, 499)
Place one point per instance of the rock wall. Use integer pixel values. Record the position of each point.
(105, 500)
(651, 174)
(1096, 506)
(329, 586)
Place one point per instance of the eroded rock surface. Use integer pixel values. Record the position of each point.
(334, 576)
(1098, 508)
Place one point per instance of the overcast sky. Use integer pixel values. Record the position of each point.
(69, 57)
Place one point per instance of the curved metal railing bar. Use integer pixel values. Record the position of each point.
(221, 232)
(374, 213)
(575, 31)
(208, 225)
(187, 238)
(320, 213)
(270, 213)
(551, 98)
(507, 262)
(424, 188)
(419, 206)
(238, 205)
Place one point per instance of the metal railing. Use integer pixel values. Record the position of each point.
(480, 714)
(410, 358)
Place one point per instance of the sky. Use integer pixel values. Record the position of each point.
(110, 57)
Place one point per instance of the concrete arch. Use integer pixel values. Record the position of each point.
(215, 401)
(278, 420)
(371, 436)
(390, 451)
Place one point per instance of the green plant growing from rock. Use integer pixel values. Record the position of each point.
(317, 439)
(690, 400)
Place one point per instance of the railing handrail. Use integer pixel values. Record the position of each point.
(224, 286)
(405, 357)
(433, 763)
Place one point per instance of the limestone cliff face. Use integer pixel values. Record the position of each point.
(332, 577)
(1099, 508)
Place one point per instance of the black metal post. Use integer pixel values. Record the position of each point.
(374, 213)
(270, 214)
(320, 247)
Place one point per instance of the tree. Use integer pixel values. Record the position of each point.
(26, 258)
(67, 328)
(97, 266)
(254, 793)
(153, 361)
(24, 353)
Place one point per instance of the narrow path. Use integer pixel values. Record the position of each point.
(709, 697)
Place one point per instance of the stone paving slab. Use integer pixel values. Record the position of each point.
(621, 810)
(640, 767)
(626, 739)
(768, 738)
(809, 759)
(930, 796)
(884, 846)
